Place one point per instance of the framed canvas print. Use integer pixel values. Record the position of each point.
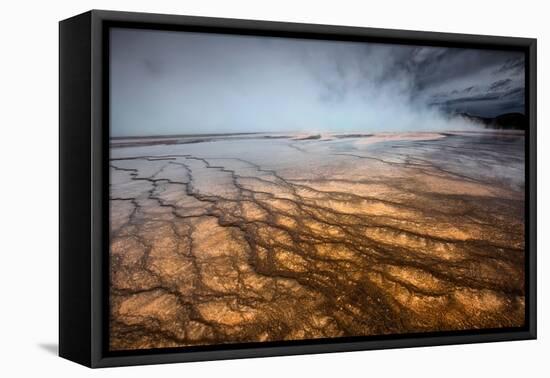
(234, 188)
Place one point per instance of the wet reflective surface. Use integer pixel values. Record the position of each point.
(285, 237)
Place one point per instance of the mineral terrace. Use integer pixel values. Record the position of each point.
(265, 237)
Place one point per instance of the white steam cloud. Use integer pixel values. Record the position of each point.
(192, 83)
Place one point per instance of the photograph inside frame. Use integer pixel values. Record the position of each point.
(280, 189)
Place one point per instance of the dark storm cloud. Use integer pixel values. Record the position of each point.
(434, 66)
(495, 100)
(514, 65)
(177, 83)
(499, 84)
(465, 90)
(486, 97)
(495, 76)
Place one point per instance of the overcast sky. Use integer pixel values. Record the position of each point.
(167, 82)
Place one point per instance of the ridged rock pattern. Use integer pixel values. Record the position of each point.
(286, 238)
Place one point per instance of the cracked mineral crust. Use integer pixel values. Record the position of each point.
(281, 237)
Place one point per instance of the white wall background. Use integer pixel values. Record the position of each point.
(29, 186)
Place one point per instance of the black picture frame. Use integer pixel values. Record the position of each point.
(83, 181)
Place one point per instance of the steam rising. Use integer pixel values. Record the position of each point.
(191, 83)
